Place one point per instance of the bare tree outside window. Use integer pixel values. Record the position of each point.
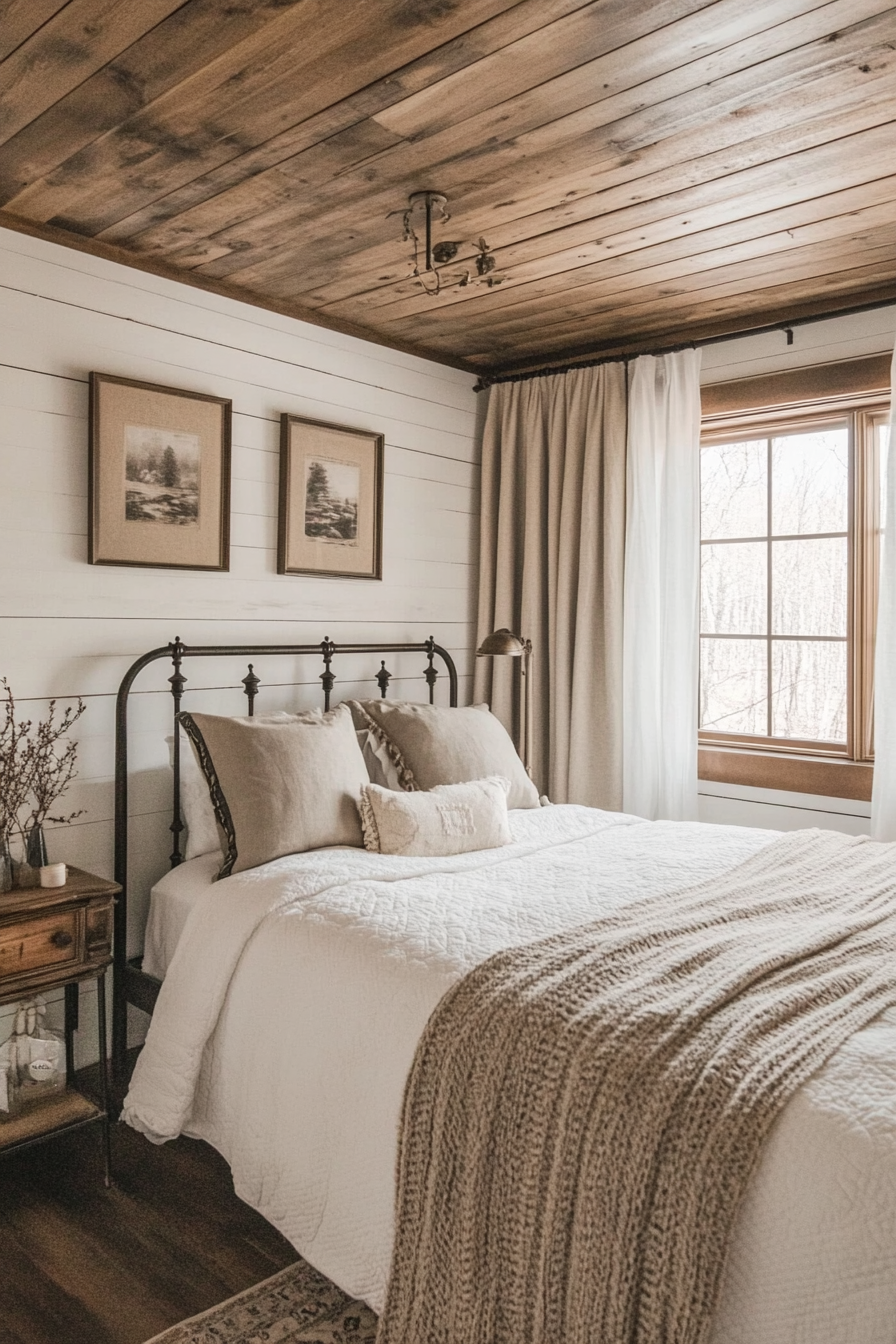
(775, 586)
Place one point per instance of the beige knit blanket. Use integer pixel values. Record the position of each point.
(583, 1114)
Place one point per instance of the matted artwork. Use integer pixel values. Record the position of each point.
(159, 476)
(331, 500)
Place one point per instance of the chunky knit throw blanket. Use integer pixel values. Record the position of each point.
(583, 1114)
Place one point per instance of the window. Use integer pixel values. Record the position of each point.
(791, 521)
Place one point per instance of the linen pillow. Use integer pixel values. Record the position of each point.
(381, 768)
(280, 786)
(432, 745)
(449, 819)
(197, 813)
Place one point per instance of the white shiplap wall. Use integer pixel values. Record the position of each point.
(841, 338)
(68, 628)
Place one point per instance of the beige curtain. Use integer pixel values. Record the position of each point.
(552, 549)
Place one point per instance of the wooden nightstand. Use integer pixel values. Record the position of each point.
(52, 937)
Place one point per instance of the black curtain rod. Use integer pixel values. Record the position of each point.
(487, 380)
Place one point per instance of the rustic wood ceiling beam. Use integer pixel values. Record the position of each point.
(19, 19)
(162, 59)
(671, 263)
(635, 168)
(595, 163)
(745, 296)
(76, 42)
(725, 183)
(335, 268)
(575, 247)
(524, 17)
(526, 129)
(312, 56)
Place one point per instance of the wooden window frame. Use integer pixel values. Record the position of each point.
(831, 769)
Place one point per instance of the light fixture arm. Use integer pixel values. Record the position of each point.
(526, 676)
(505, 644)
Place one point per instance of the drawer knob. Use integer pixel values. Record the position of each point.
(61, 938)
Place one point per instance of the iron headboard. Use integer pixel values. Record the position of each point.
(130, 983)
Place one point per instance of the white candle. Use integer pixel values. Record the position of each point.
(52, 875)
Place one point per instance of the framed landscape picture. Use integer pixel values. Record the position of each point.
(331, 500)
(159, 476)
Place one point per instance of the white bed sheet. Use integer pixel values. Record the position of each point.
(170, 903)
(292, 1008)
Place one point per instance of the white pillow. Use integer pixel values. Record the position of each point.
(448, 819)
(196, 809)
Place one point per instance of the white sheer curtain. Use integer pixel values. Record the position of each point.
(883, 793)
(662, 587)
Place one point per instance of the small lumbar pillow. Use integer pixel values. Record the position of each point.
(449, 819)
(432, 746)
(280, 786)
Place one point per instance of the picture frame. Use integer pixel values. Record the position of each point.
(159, 476)
(331, 500)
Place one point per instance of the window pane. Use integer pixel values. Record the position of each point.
(809, 690)
(810, 482)
(733, 489)
(809, 587)
(733, 588)
(733, 681)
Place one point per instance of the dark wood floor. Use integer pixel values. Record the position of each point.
(80, 1264)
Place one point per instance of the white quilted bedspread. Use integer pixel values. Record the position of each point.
(288, 1020)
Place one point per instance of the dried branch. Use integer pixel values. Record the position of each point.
(34, 771)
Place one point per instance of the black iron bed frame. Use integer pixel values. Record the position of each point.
(131, 984)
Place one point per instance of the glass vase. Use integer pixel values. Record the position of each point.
(36, 848)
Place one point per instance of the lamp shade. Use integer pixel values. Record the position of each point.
(501, 643)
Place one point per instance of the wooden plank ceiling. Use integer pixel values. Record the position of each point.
(641, 170)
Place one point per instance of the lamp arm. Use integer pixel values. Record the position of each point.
(527, 709)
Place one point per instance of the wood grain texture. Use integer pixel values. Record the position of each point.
(637, 169)
(85, 1265)
(831, 779)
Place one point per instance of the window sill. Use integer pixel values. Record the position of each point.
(794, 774)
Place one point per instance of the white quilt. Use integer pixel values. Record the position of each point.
(288, 1020)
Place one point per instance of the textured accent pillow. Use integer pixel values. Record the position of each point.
(431, 745)
(449, 819)
(280, 786)
(381, 768)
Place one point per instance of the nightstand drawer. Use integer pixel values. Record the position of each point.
(40, 941)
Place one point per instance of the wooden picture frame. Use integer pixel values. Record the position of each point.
(159, 466)
(331, 500)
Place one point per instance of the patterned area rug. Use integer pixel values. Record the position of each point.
(296, 1306)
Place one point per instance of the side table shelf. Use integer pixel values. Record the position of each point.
(66, 1110)
(53, 938)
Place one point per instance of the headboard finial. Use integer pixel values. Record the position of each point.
(327, 678)
(383, 677)
(251, 684)
(430, 672)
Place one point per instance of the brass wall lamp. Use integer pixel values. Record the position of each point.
(505, 644)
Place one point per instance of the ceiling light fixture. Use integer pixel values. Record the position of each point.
(424, 209)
